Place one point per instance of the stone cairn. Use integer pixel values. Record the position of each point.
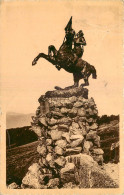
(65, 123)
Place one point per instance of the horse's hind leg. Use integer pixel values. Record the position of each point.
(76, 78)
(86, 82)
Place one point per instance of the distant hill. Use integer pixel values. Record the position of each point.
(14, 120)
(20, 136)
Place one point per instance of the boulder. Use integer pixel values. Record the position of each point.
(48, 142)
(83, 168)
(89, 120)
(87, 146)
(34, 168)
(61, 143)
(60, 161)
(42, 150)
(76, 142)
(65, 121)
(42, 120)
(59, 105)
(67, 173)
(50, 149)
(53, 183)
(69, 105)
(49, 157)
(64, 110)
(78, 104)
(75, 137)
(66, 136)
(82, 119)
(98, 158)
(54, 127)
(89, 112)
(82, 124)
(58, 150)
(42, 162)
(97, 141)
(87, 127)
(57, 115)
(73, 112)
(37, 129)
(82, 99)
(63, 127)
(52, 121)
(69, 168)
(75, 125)
(34, 178)
(75, 131)
(83, 132)
(56, 135)
(98, 151)
(73, 99)
(52, 106)
(94, 126)
(76, 119)
(13, 186)
(32, 181)
(81, 112)
(91, 135)
(71, 151)
(82, 159)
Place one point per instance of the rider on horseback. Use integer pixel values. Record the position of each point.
(79, 43)
(77, 40)
(69, 58)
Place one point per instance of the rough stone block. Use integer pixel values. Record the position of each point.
(87, 146)
(53, 183)
(97, 151)
(48, 142)
(59, 150)
(61, 143)
(81, 112)
(56, 135)
(64, 128)
(42, 150)
(60, 161)
(73, 112)
(71, 151)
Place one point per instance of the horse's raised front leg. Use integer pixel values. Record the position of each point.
(47, 57)
(36, 59)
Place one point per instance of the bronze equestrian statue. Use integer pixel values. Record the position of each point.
(69, 58)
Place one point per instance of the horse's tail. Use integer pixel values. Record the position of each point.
(94, 75)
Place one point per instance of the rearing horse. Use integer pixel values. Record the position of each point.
(69, 59)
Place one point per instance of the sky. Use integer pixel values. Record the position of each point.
(29, 27)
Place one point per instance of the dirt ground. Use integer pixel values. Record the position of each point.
(112, 170)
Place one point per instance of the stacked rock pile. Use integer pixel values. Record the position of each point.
(65, 123)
